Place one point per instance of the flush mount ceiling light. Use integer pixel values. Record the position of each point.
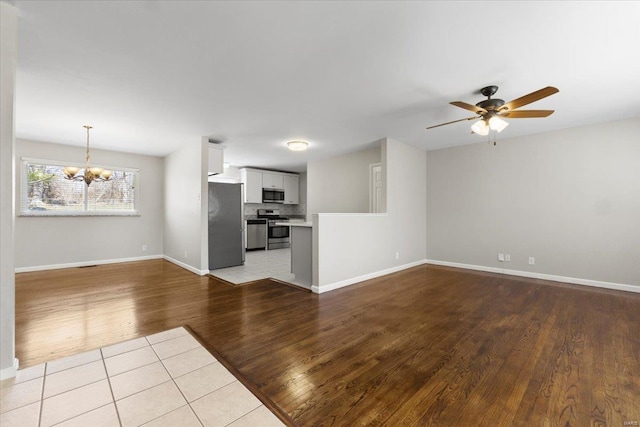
(297, 145)
(90, 174)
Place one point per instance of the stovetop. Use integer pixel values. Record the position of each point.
(271, 214)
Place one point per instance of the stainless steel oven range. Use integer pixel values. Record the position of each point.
(277, 235)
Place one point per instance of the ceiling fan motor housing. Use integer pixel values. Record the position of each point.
(489, 91)
(491, 104)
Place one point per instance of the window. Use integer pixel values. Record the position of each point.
(46, 191)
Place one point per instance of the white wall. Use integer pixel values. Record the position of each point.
(569, 198)
(231, 175)
(303, 202)
(185, 214)
(8, 60)
(340, 184)
(352, 247)
(50, 242)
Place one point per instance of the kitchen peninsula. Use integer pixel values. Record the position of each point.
(301, 251)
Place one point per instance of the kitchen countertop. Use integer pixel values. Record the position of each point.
(295, 224)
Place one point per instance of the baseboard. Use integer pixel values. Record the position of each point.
(11, 371)
(465, 266)
(533, 275)
(186, 266)
(358, 279)
(111, 261)
(84, 263)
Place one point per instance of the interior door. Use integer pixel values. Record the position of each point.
(375, 190)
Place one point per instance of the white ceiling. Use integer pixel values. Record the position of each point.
(151, 76)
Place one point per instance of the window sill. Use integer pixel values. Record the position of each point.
(74, 214)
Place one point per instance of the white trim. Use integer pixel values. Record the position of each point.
(353, 280)
(48, 214)
(533, 275)
(465, 266)
(186, 266)
(84, 263)
(381, 214)
(111, 261)
(81, 165)
(11, 371)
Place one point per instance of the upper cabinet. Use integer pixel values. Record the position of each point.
(291, 189)
(252, 181)
(216, 163)
(272, 180)
(255, 180)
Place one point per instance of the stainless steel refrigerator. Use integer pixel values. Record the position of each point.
(226, 225)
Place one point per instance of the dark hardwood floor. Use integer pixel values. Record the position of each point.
(425, 346)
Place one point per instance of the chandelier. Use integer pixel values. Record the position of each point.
(90, 174)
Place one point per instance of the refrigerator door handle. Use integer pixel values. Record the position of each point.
(243, 223)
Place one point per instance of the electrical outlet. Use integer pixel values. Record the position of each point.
(532, 260)
(185, 254)
(397, 255)
(501, 257)
(507, 257)
(144, 248)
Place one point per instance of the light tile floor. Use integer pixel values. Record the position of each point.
(261, 264)
(166, 379)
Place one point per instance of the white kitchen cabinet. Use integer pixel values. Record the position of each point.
(255, 180)
(216, 161)
(252, 181)
(291, 189)
(272, 180)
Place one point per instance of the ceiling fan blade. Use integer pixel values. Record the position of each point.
(524, 114)
(528, 99)
(455, 121)
(469, 107)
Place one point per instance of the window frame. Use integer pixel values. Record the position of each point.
(24, 191)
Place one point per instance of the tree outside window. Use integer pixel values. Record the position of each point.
(46, 191)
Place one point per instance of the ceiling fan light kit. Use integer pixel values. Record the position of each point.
(480, 127)
(496, 123)
(491, 111)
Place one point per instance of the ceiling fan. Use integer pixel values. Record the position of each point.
(490, 111)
